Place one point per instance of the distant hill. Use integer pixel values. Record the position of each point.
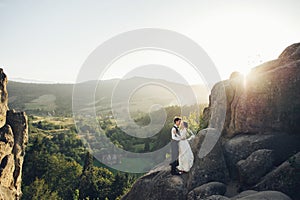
(56, 99)
(23, 80)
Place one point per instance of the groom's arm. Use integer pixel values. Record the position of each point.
(174, 135)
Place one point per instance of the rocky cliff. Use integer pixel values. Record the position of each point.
(254, 123)
(13, 140)
(265, 101)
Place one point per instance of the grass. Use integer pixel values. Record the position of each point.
(66, 121)
(44, 102)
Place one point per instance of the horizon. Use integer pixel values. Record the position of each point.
(236, 35)
(22, 80)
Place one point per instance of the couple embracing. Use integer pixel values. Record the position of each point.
(182, 155)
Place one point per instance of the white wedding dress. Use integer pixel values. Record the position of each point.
(186, 157)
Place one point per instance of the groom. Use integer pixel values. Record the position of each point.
(174, 146)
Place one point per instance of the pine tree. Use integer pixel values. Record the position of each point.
(86, 185)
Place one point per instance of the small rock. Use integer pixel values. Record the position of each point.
(244, 194)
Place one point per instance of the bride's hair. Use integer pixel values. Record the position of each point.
(185, 124)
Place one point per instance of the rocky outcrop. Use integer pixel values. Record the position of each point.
(262, 116)
(267, 100)
(13, 140)
(253, 124)
(3, 98)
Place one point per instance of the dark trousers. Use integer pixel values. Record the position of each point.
(175, 153)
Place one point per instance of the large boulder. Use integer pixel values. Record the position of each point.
(255, 166)
(284, 178)
(265, 101)
(13, 140)
(266, 195)
(206, 190)
(158, 185)
(209, 164)
(243, 145)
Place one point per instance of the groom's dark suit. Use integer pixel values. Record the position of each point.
(175, 148)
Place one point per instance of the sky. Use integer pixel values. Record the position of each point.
(49, 40)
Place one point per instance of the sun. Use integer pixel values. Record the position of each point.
(245, 72)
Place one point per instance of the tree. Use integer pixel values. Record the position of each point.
(63, 175)
(87, 187)
(39, 190)
(95, 182)
(120, 185)
(88, 162)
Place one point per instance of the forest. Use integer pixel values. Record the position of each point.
(58, 166)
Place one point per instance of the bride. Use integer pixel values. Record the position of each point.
(186, 157)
